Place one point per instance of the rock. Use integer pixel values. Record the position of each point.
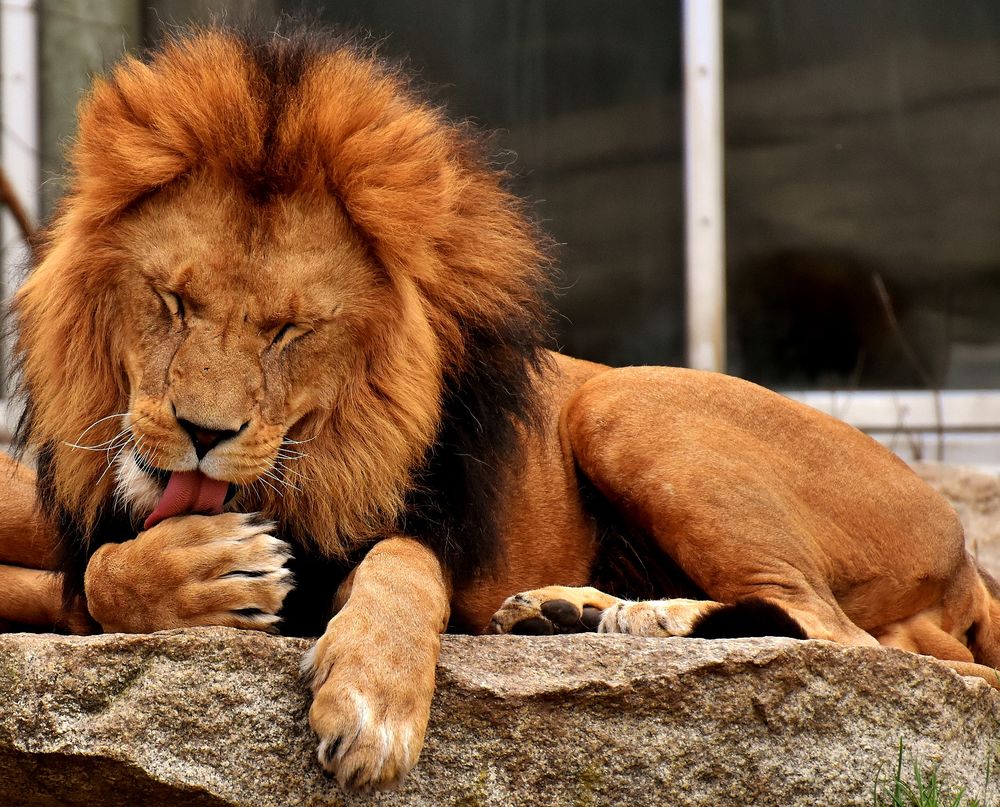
(218, 717)
(976, 497)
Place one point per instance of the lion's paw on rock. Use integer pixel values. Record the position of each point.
(359, 743)
(549, 610)
(369, 718)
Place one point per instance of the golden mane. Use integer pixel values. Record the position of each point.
(316, 114)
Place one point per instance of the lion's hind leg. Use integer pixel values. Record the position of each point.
(923, 633)
(960, 630)
(680, 455)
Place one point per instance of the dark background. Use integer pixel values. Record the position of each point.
(861, 167)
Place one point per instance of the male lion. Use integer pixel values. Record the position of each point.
(286, 307)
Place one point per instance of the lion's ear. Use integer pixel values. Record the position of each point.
(148, 124)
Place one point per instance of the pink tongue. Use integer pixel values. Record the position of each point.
(189, 492)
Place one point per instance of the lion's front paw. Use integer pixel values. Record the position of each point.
(554, 609)
(187, 571)
(366, 742)
(370, 705)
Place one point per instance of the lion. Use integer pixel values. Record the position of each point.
(284, 365)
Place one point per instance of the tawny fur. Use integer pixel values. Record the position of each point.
(30, 585)
(323, 268)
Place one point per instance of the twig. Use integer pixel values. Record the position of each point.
(911, 357)
(9, 198)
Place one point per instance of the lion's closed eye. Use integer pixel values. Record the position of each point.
(173, 303)
(287, 334)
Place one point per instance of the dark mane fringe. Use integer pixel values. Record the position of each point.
(75, 542)
(457, 506)
(71, 537)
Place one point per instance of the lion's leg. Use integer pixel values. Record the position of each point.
(30, 593)
(960, 629)
(923, 634)
(558, 609)
(30, 596)
(563, 609)
(31, 599)
(700, 486)
(372, 672)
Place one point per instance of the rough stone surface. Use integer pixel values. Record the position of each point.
(218, 717)
(976, 497)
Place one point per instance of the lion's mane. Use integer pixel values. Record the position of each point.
(277, 113)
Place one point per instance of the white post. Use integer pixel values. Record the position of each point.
(703, 182)
(19, 151)
(19, 145)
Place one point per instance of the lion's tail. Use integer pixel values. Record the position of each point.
(984, 634)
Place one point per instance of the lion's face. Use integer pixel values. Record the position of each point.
(279, 244)
(240, 319)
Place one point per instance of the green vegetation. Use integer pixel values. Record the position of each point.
(926, 790)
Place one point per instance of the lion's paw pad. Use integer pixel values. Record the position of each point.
(532, 614)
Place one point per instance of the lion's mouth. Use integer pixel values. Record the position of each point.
(185, 493)
(150, 470)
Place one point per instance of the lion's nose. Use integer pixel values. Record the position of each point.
(206, 439)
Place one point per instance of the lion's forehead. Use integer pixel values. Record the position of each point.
(288, 260)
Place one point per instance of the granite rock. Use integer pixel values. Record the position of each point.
(219, 717)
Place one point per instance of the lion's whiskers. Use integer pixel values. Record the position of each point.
(280, 480)
(257, 489)
(104, 445)
(286, 441)
(114, 460)
(296, 473)
(272, 487)
(99, 446)
(96, 423)
(149, 452)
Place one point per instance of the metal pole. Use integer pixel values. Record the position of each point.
(703, 178)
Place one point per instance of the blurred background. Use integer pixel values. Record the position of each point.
(853, 252)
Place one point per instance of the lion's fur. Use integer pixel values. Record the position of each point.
(416, 440)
